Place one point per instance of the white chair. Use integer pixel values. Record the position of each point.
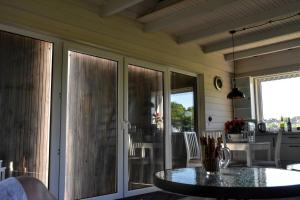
(137, 156)
(2, 173)
(272, 163)
(192, 150)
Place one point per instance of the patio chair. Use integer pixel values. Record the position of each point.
(34, 188)
(192, 150)
(24, 188)
(138, 158)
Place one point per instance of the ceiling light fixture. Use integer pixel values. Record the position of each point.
(235, 93)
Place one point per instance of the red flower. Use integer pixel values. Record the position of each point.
(235, 125)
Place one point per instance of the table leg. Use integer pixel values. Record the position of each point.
(142, 178)
(249, 158)
(152, 163)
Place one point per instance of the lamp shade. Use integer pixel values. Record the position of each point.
(235, 94)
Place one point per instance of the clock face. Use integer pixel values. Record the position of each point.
(218, 82)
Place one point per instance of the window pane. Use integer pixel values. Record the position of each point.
(281, 99)
(25, 94)
(183, 114)
(91, 142)
(146, 132)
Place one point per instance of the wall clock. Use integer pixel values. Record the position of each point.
(218, 82)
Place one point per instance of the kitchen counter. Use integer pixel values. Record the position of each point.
(290, 146)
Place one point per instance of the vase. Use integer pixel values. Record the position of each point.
(234, 137)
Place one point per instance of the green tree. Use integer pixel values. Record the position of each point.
(182, 119)
(188, 119)
(177, 112)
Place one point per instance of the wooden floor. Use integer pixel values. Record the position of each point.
(156, 195)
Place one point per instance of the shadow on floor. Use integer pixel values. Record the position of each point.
(170, 196)
(156, 195)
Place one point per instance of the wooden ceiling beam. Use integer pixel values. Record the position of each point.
(201, 33)
(116, 6)
(184, 14)
(251, 38)
(267, 49)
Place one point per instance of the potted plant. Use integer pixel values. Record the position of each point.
(234, 129)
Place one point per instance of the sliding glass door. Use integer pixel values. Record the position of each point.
(103, 158)
(25, 99)
(94, 128)
(93, 142)
(115, 134)
(144, 149)
(183, 114)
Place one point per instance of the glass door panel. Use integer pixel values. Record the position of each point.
(91, 140)
(25, 97)
(146, 126)
(183, 114)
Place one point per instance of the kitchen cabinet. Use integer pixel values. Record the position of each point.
(245, 108)
(290, 148)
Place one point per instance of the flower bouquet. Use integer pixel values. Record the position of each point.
(234, 126)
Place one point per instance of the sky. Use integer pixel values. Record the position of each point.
(186, 99)
(281, 98)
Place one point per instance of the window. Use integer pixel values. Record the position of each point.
(25, 97)
(279, 97)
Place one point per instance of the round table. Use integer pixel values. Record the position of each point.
(293, 167)
(236, 183)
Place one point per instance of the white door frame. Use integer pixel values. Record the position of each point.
(147, 65)
(53, 176)
(68, 46)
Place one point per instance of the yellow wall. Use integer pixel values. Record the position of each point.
(79, 22)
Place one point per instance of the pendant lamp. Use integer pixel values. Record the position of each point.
(235, 93)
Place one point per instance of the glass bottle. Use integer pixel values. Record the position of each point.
(289, 125)
(281, 124)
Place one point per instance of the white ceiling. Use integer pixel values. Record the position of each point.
(207, 22)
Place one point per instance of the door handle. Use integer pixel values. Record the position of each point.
(293, 137)
(126, 125)
(294, 146)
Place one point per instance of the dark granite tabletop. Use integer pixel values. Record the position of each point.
(244, 183)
